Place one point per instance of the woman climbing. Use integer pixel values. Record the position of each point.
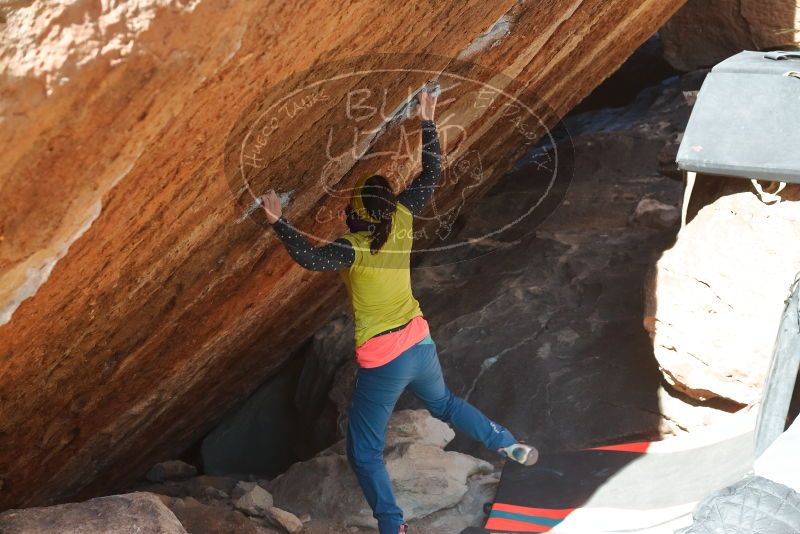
(394, 349)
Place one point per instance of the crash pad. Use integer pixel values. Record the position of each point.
(626, 487)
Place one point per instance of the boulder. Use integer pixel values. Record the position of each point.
(286, 520)
(716, 296)
(257, 501)
(428, 479)
(242, 487)
(214, 493)
(469, 512)
(131, 513)
(202, 487)
(425, 477)
(704, 32)
(655, 214)
(199, 518)
(171, 470)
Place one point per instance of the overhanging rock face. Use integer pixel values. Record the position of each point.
(138, 299)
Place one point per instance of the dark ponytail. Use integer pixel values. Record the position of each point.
(380, 203)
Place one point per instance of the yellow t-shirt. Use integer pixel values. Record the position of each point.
(379, 284)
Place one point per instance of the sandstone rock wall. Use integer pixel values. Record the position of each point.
(704, 32)
(134, 308)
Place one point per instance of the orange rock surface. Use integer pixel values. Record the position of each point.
(138, 301)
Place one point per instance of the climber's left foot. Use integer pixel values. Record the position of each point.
(520, 452)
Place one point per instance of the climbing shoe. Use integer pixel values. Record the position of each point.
(520, 452)
(404, 529)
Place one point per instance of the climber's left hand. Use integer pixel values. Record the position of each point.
(272, 205)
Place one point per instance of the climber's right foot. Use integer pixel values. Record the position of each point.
(520, 452)
(403, 529)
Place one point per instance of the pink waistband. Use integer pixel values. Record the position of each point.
(380, 350)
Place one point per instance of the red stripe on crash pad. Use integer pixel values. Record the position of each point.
(641, 447)
(541, 512)
(514, 526)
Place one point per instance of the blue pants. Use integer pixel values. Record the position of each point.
(375, 394)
